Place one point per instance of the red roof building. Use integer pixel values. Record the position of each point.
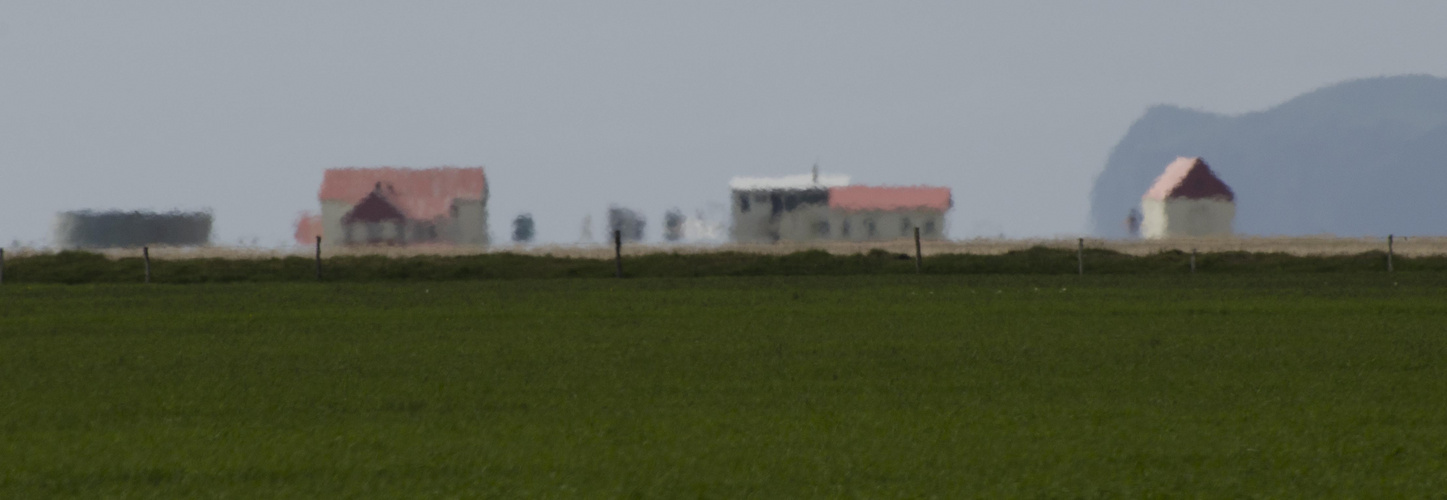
(403, 206)
(308, 228)
(1187, 200)
(419, 193)
(819, 208)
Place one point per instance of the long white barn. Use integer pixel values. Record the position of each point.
(825, 207)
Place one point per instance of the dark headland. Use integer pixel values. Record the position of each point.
(1361, 158)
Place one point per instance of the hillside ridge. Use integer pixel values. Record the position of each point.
(1359, 158)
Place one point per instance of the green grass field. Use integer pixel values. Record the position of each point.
(1282, 385)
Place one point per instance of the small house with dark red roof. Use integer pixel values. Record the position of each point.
(825, 207)
(397, 206)
(1188, 200)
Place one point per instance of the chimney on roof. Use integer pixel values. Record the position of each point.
(816, 172)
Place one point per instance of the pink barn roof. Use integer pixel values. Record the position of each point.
(421, 193)
(308, 227)
(1189, 178)
(889, 198)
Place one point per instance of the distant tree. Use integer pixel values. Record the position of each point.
(522, 228)
(673, 225)
(627, 222)
(586, 236)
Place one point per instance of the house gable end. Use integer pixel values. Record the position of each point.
(1189, 178)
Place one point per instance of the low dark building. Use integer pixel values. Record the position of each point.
(119, 229)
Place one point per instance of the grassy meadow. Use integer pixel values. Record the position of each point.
(1000, 386)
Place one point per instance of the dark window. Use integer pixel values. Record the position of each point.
(743, 203)
(814, 197)
(905, 226)
(821, 228)
(929, 227)
(844, 228)
(869, 229)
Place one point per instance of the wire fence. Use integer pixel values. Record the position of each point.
(1086, 254)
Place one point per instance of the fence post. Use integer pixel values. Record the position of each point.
(1193, 261)
(319, 258)
(1080, 257)
(146, 254)
(918, 256)
(2, 265)
(617, 253)
(1389, 253)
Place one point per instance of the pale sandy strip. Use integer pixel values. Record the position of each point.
(1406, 246)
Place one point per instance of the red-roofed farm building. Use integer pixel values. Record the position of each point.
(1187, 200)
(825, 208)
(397, 206)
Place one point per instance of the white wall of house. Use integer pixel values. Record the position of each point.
(806, 223)
(821, 223)
(468, 226)
(360, 233)
(754, 220)
(1182, 217)
(333, 233)
(751, 211)
(469, 223)
(886, 224)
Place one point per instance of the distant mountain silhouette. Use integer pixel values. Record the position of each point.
(1361, 158)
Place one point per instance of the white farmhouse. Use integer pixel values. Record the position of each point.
(768, 209)
(399, 206)
(825, 207)
(1187, 200)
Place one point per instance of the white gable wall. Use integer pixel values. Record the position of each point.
(888, 224)
(333, 231)
(1183, 217)
(468, 226)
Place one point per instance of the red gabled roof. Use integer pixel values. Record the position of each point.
(422, 194)
(889, 198)
(1189, 178)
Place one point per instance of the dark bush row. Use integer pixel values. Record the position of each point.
(83, 267)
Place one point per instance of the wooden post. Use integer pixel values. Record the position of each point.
(618, 253)
(1193, 261)
(1080, 257)
(146, 253)
(2, 265)
(319, 258)
(918, 256)
(1389, 253)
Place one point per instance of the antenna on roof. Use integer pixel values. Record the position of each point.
(816, 170)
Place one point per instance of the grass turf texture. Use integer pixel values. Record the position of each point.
(880, 386)
(74, 267)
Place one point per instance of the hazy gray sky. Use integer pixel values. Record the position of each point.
(240, 106)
